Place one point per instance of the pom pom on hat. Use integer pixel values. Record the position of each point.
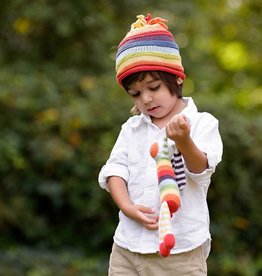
(148, 46)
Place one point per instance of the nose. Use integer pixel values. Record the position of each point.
(147, 97)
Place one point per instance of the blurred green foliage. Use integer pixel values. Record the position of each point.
(61, 111)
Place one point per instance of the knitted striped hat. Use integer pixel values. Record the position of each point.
(148, 46)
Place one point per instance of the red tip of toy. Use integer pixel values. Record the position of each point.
(173, 204)
(169, 241)
(163, 251)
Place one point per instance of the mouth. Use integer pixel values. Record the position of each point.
(152, 109)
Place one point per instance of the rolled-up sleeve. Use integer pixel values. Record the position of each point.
(207, 138)
(202, 179)
(116, 165)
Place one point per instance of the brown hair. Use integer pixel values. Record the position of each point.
(170, 80)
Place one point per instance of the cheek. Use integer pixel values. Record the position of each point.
(138, 102)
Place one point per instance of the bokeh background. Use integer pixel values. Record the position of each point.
(61, 111)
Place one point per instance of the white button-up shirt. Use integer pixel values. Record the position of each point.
(130, 159)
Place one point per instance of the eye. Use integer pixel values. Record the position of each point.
(135, 95)
(155, 88)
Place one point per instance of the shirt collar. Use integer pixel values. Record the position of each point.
(190, 110)
(140, 119)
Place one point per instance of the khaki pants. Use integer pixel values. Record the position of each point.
(126, 263)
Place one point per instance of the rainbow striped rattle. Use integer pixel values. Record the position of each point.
(169, 194)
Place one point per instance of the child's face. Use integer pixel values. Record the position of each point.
(152, 97)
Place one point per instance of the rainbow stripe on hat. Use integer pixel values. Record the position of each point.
(148, 46)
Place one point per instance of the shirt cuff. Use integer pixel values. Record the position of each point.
(202, 178)
(212, 160)
(112, 170)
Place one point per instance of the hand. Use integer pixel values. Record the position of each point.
(178, 129)
(140, 214)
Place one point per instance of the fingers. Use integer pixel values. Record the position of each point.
(151, 223)
(144, 215)
(178, 127)
(179, 121)
(147, 217)
(145, 209)
(183, 123)
(151, 226)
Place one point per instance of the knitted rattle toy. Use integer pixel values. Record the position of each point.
(169, 194)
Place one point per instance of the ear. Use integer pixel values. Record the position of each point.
(179, 81)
